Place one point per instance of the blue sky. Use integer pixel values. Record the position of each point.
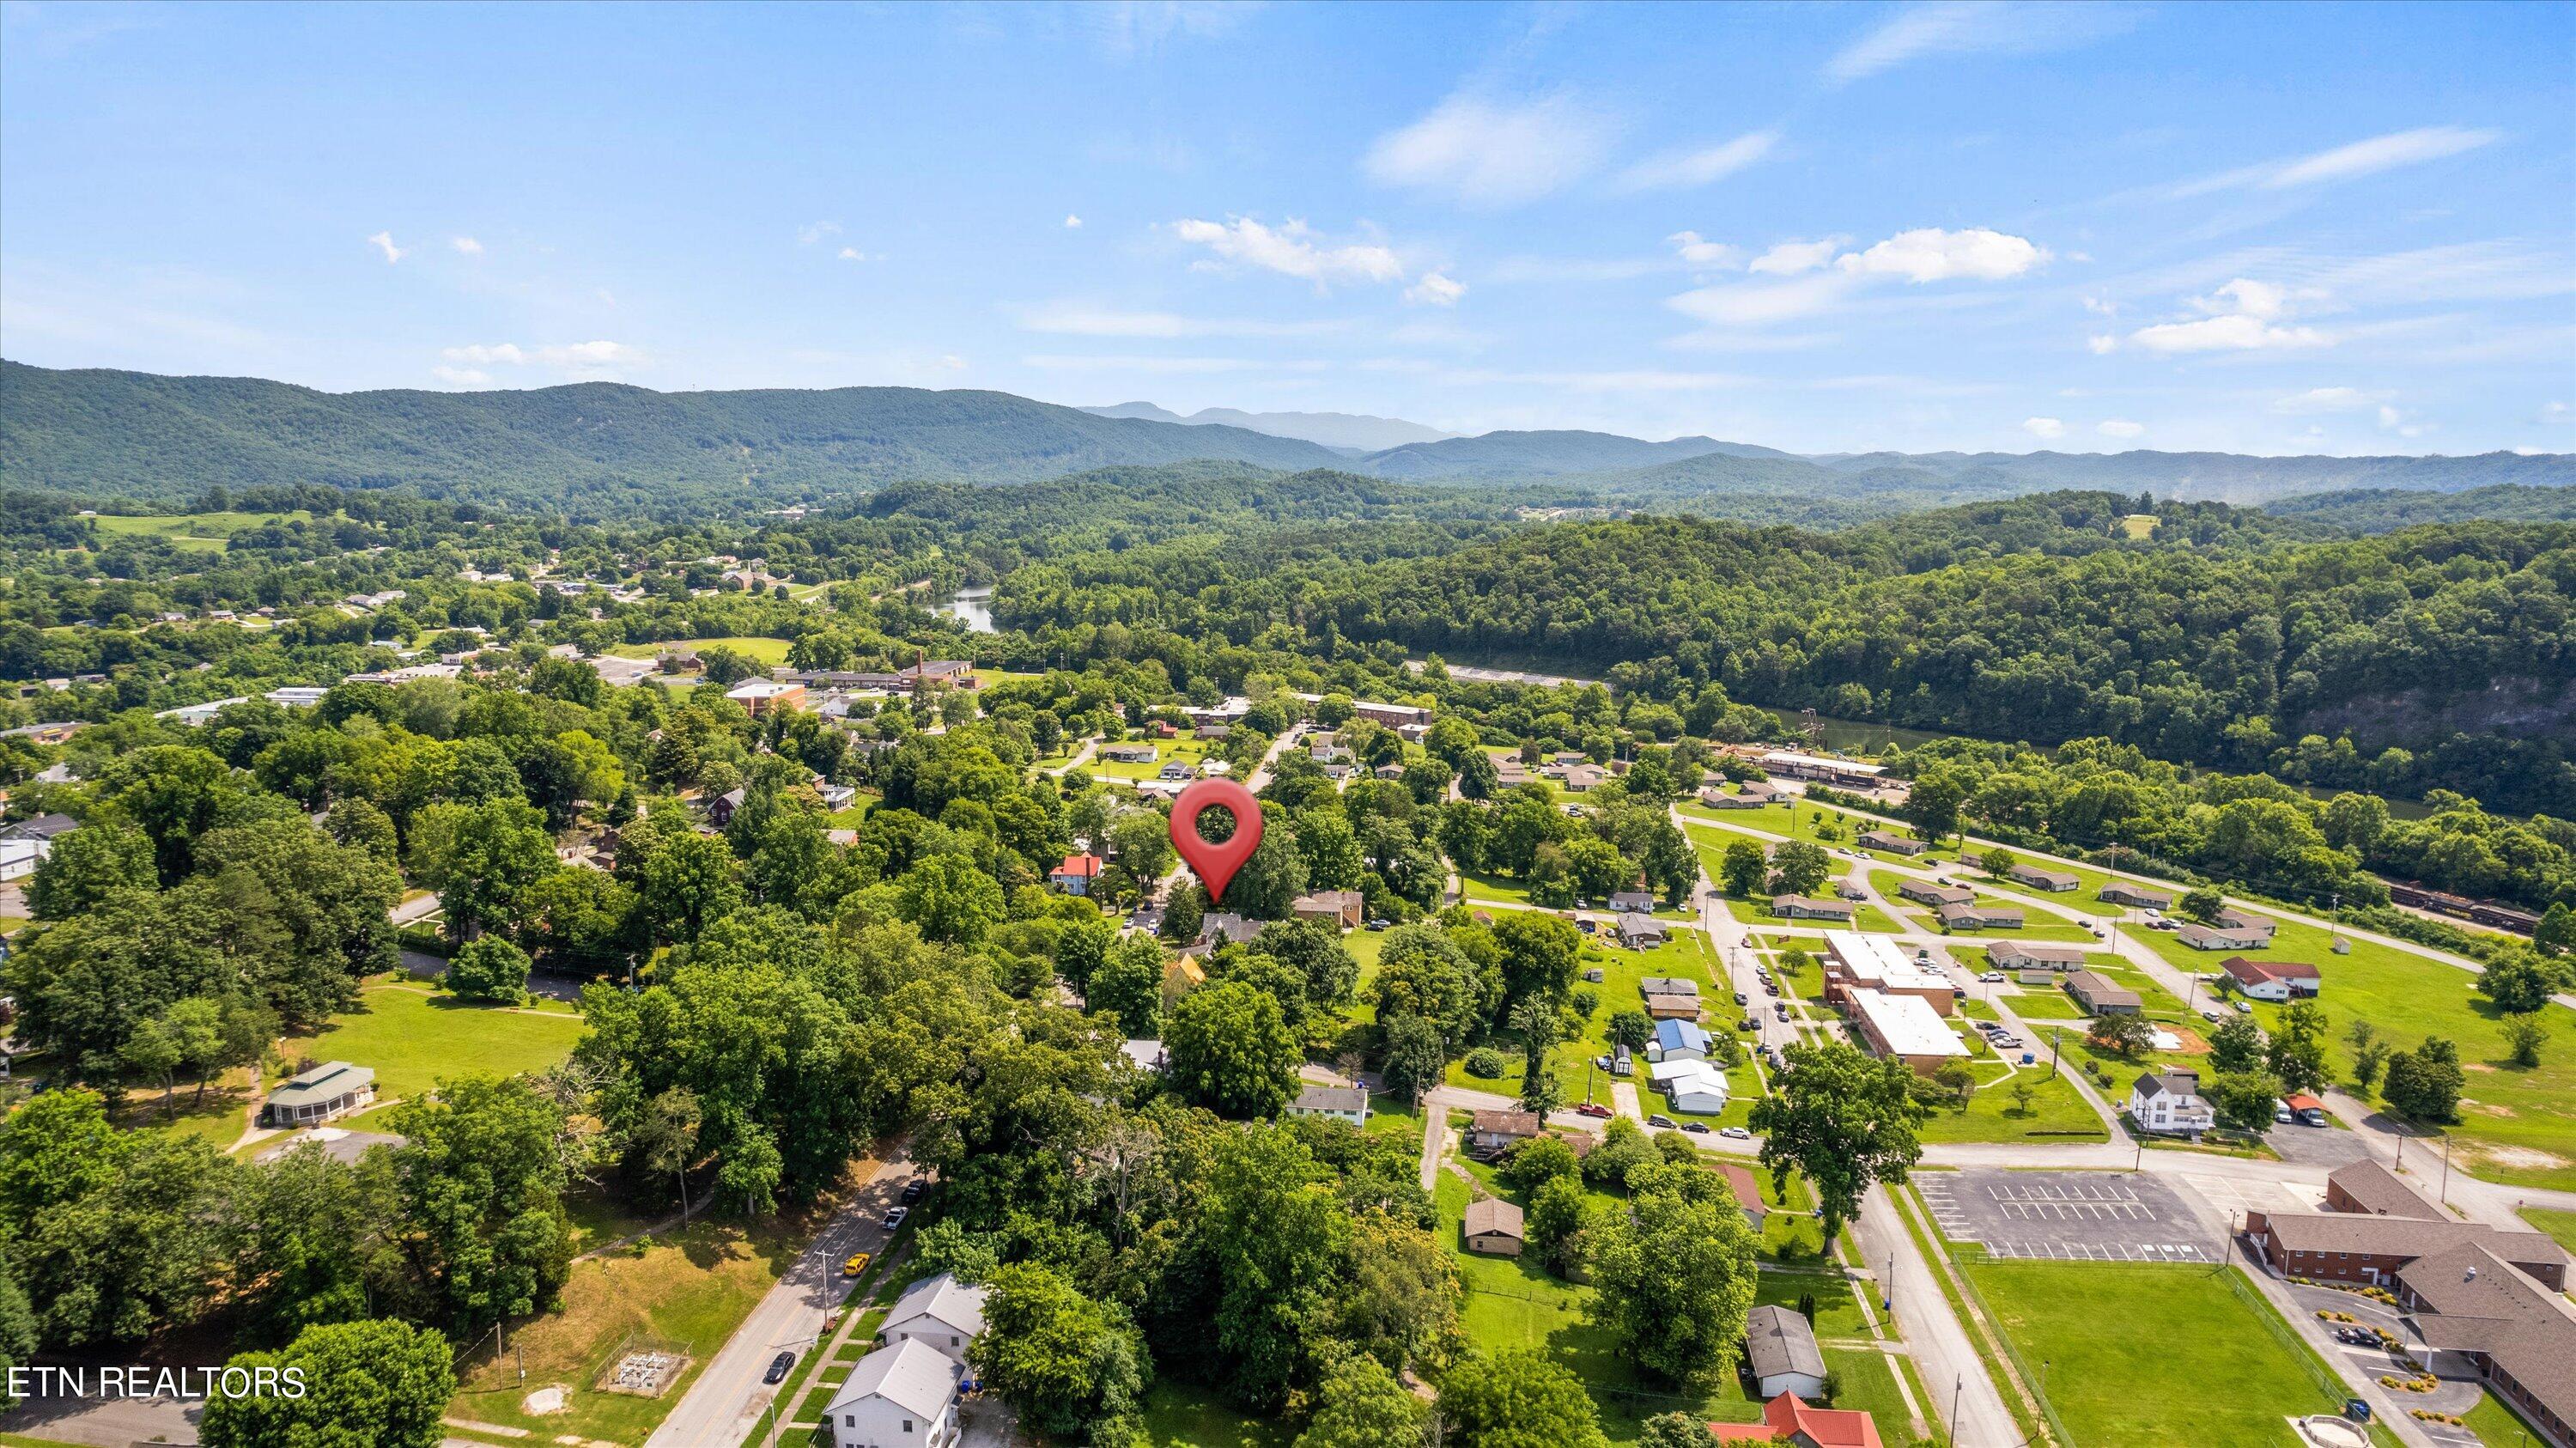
(2278, 229)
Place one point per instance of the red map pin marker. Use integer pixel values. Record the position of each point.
(1216, 863)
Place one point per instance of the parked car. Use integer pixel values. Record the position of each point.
(2243, 1009)
(1737, 1132)
(913, 1189)
(1748, 1024)
(2210, 1016)
(894, 1217)
(857, 1264)
(1990, 977)
(1699, 1128)
(778, 1367)
(2281, 1112)
(1781, 1010)
(1661, 1120)
(1592, 1108)
(1380, 924)
(1741, 997)
(1771, 988)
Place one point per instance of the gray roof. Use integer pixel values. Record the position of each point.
(327, 1082)
(1667, 985)
(2172, 1083)
(1332, 1098)
(42, 827)
(942, 1297)
(1777, 1340)
(2469, 1300)
(1493, 1214)
(1633, 923)
(911, 1375)
(2381, 1192)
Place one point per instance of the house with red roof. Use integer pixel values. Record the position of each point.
(2273, 980)
(1785, 1419)
(1075, 875)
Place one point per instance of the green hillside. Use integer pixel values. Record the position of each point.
(593, 449)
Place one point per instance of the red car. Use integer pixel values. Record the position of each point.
(1591, 1108)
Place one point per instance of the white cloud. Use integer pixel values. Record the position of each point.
(2242, 316)
(1966, 27)
(1490, 153)
(1930, 254)
(1698, 166)
(852, 253)
(1698, 250)
(1760, 304)
(2048, 427)
(2101, 306)
(1291, 251)
(1081, 319)
(574, 359)
(1792, 257)
(2344, 163)
(815, 231)
(384, 241)
(1435, 290)
(2119, 427)
(2327, 399)
(2380, 153)
(1072, 222)
(461, 376)
(2102, 345)
(466, 244)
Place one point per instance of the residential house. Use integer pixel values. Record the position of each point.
(2097, 995)
(2038, 878)
(2169, 1103)
(2249, 922)
(332, 1089)
(1145, 1053)
(1227, 928)
(1892, 842)
(1639, 932)
(1667, 985)
(1695, 1088)
(1904, 1028)
(2014, 955)
(897, 1397)
(1129, 753)
(1214, 731)
(1748, 1193)
(1339, 1103)
(1177, 769)
(2221, 937)
(1787, 1419)
(1340, 909)
(1493, 1228)
(1672, 1008)
(939, 1312)
(2136, 897)
(1582, 778)
(1781, 1352)
(2273, 980)
(720, 809)
(45, 828)
(1927, 892)
(1973, 916)
(1800, 907)
(296, 696)
(1075, 874)
(1746, 796)
(1678, 1041)
(1491, 1133)
(1636, 900)
(19, 858)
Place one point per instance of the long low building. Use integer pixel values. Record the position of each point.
(1904, 1028)
(2396, 1226)
(1875, 962)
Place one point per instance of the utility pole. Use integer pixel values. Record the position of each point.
(1958, 1385)
(2445, 1193)
(2055, 1035)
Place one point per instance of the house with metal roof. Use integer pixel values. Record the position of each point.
(1780, 1347)
(334, 1088)
(896, 1397)
(940, 1312)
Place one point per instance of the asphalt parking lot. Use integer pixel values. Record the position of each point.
(2067, 1216)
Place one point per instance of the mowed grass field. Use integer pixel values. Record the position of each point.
(1710, 842)
(767, 652)
(194, 532)
(2152, 1354)
(413, 1036)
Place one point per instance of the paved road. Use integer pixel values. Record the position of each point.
(725, 1403)
(1963, 1394)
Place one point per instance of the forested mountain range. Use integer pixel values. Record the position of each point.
(1350, 432)
(596, 450)
(590, 450)
(2382, 510)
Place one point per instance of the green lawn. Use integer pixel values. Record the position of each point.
(194, 532)
(1685, 955)
(413, 1036)
(2517, 1124)
(767, 652)
(2151, 1354)
(2497, 1426)
(1185, 1415)
(1711, 841)
(2561, 1226)
(2058, 1113)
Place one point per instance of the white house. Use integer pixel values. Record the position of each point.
(1780, 1348)
(1695, 1087)
(19, 858)
(939, 1312)
(1678, 1041)
(1337, 1103)
(2170, 1104)
(297, 696)
(904, 1396)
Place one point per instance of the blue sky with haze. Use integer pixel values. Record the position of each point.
(1825, 228)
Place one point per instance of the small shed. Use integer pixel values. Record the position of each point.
(1493, 1228)
(1780, 1347)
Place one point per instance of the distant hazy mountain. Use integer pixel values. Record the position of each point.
(2382, 510)
(1352, 432)
(592, 449)
(1519, 456)
(2232, 477)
